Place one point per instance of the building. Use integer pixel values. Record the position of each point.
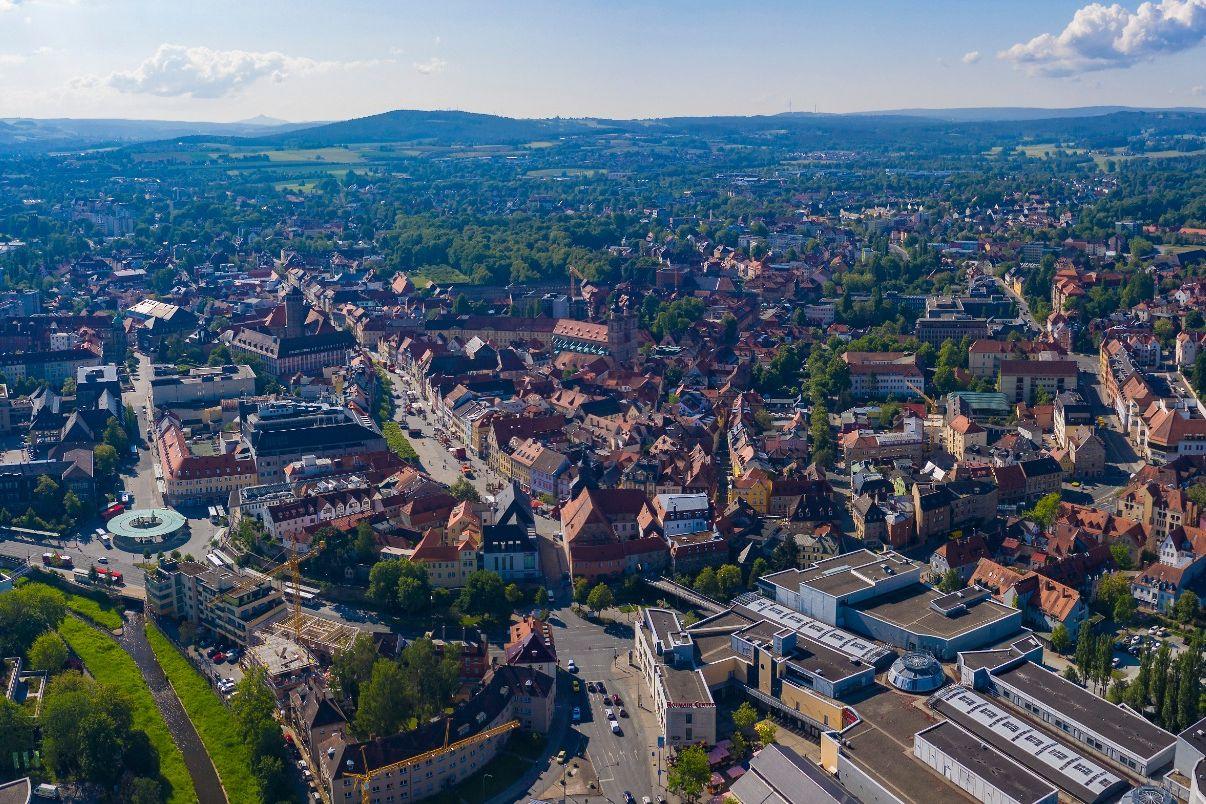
(229, 605)
(985, 356)
(531, 645)
(512, 551)
(985, 773)
(1188, 777)
(281, 432)
(936, 327)
(1051, 759)
(678, 514)
(880, 375)
(201, 469)
(201, 384)
(1112, 731)
(154, 320)
(441, 753)
(293, 339)
(881, 595)
(1021, 380)
(778, 775)
(665, 654)
(53, 367)
(961, 434)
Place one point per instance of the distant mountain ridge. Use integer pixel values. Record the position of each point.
(451, 127)
(971, 114)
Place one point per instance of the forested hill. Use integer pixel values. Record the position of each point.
(817, 130)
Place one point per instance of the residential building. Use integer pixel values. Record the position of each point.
(881, 375)
(201, 469)
(961, 434)
(1021, 380)
(229, 605)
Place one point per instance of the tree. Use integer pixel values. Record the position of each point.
(384, 702)
(105, 458)
(17, 739)
(47, 497)
(73, 507)
(951, 582)
(1085, 647)
(462, 489)
(1186, 607)
(600, 598)
(143, 790)
(253, 707)
(542, 597)
(1110, 588)
(1045, 510)
(705, 583)
(581, 590)
(116, 437)
(689, 772)
(1117, 691)
(1060, 639)
(745, 717)
(514, 594)
(1104, 660)
(383, 582)
(1071, 674)
(758, 569)
(766, 732)
(740, 746)
(728, 578)
(1124, 610)
(1121, 556)
(48, 653)
(86, 727)
(353, 666)
(25, 613)
(484, 596)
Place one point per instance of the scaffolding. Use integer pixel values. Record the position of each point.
(323, 636)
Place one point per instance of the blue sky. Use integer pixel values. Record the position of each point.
(307, 60)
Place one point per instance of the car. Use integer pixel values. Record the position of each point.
(561, 757)
(628, 799)
(577, 688)
(615, 728)
(551, 595)
(590, 686)
(101, 533)
(646, 800)
(615, 699)
(623, 712)
(219, 657)
(1133, 650)
(611, 715)
(607, 700)
(572, 667)
(602, 689)
(102, 560)
(1116, 662)
(576, 715)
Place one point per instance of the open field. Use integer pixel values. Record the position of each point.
(109, 664)
(561, 173)
(210, 717)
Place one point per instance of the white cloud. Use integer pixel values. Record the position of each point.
(1198, 90)
(11, 58)
(971, 57)
(432, 66)
(201, 72)
(9, 5)
(1101, 37)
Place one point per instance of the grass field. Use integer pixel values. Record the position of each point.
(109, 664)
(560, 173)
(1043, 150)
(341, 155)
(211, 719)
(99, 608)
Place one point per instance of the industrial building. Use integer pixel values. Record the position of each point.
(985, 773)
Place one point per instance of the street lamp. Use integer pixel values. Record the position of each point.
(485, 776)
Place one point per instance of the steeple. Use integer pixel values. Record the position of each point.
(295, 314)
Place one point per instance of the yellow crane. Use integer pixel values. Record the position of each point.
(365, 779)
(933, 405)
(293, 566)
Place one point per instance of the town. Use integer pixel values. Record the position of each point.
(446, 470)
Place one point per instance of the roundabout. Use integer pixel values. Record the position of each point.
(136, 529)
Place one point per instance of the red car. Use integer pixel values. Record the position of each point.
(219, 657)
(615, 699)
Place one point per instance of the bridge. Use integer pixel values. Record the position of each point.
(690, 596)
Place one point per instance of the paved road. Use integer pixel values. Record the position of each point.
(1023, 306)
(624, 762)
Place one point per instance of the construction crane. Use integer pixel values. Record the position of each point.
(293, 567)
(365, 779)
(933, 405)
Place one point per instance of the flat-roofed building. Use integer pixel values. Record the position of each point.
(682, 702)
(881, 595)
(231, 605)
(987, 774)
(202, 384)
(1040, 753)
(1113, 731)
(1021, 379)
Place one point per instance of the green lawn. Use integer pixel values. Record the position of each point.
(109, 664)
(211, 719)
(97, 607)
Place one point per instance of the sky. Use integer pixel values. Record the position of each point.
(304, 60)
